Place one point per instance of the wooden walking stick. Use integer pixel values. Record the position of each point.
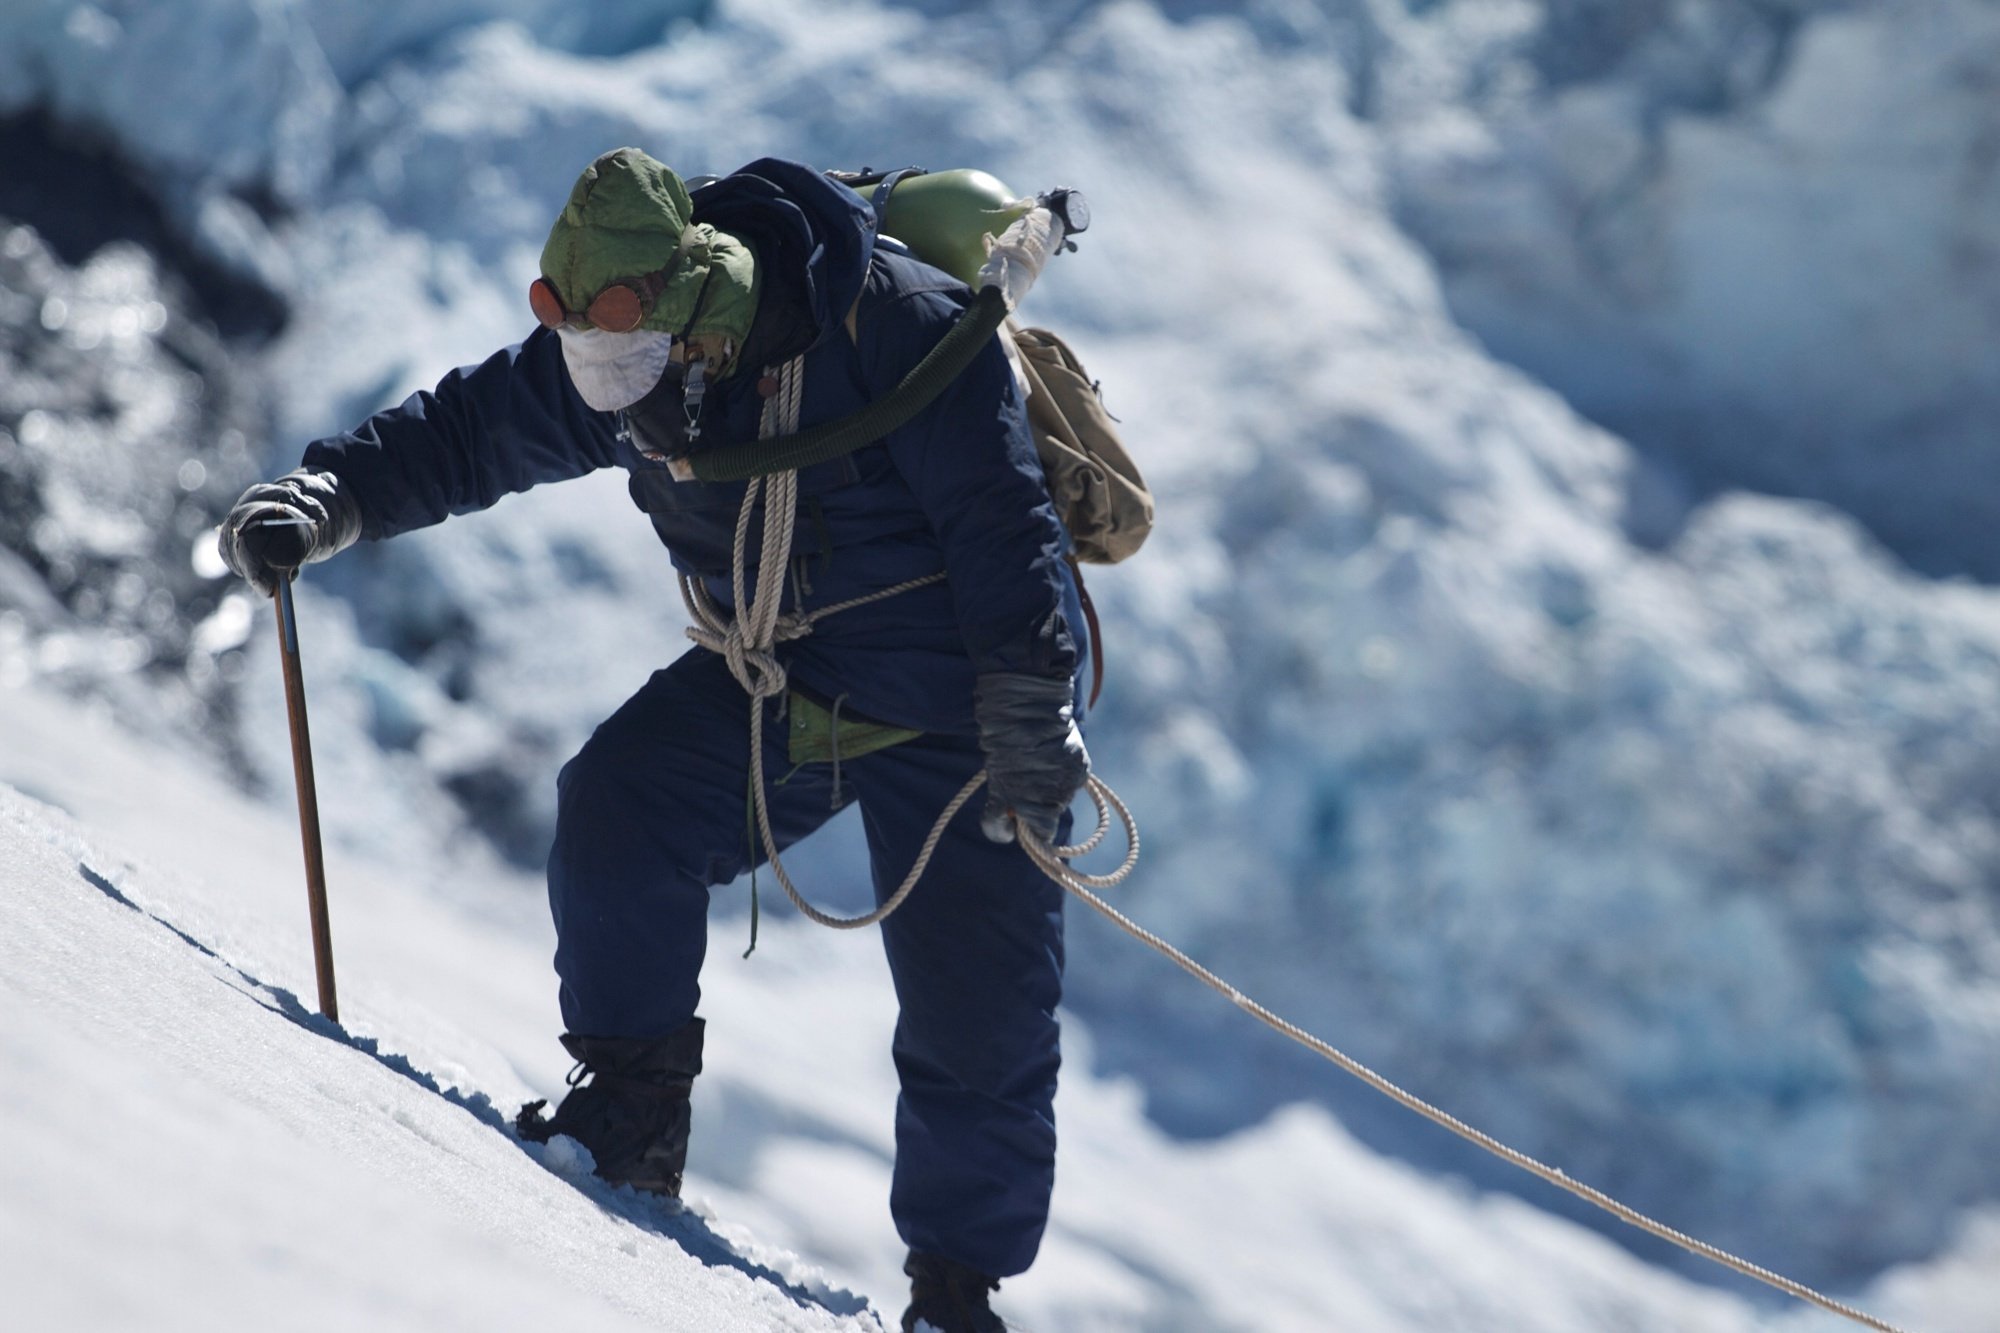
(302, 769)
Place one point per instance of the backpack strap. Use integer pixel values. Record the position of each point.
(1096, 631)
(879, 201)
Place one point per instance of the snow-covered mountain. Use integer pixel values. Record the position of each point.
(1647, 822)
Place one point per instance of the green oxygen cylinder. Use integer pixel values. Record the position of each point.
(945, 216)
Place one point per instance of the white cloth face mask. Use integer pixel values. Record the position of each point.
(614, 370)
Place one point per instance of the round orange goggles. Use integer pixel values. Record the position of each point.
(617, 309)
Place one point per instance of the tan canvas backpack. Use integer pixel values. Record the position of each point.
(1097, 489)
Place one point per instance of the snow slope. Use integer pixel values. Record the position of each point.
(195, 1148)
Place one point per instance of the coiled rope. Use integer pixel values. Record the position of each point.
(748, 642)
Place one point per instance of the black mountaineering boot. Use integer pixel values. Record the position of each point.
(628, 1104)
(947, 1297)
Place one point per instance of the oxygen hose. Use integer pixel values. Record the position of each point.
(1014, 259)
(818, 444)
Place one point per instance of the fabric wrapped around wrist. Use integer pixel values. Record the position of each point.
(280, 525)
(1035, 759)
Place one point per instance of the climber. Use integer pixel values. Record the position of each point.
(668, 323)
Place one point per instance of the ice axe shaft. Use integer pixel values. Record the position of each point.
(302, 770)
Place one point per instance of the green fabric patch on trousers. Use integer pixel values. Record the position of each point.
(812, 733)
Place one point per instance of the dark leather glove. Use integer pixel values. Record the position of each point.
(1035, 760)
(279, 525)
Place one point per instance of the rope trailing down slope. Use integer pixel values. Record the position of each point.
(1050, 859)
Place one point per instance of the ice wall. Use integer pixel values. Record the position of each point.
(1763, 240)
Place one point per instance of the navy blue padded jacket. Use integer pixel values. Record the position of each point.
(959, 489)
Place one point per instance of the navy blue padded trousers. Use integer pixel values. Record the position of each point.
(651, 816)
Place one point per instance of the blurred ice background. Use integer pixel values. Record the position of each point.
(1566, 673)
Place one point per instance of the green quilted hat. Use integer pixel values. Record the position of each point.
(628, 216)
